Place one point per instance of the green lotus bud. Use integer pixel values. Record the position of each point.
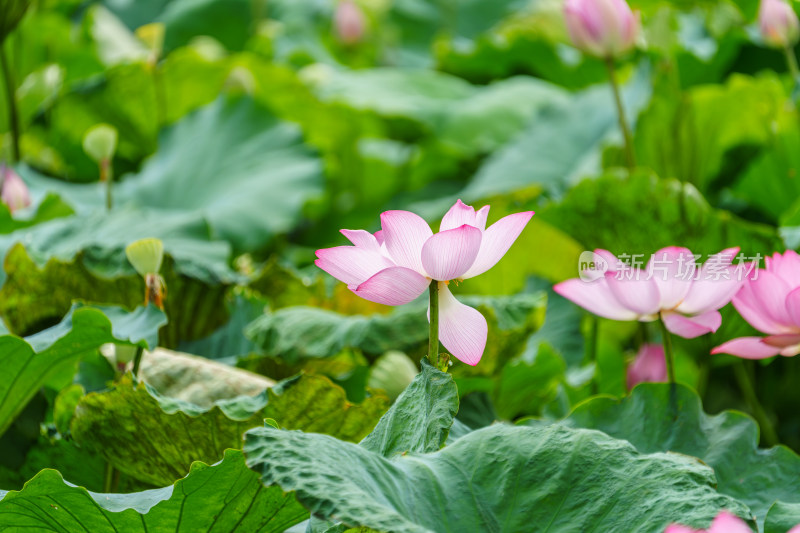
(146, 256)
(392, 372)
(100, 142)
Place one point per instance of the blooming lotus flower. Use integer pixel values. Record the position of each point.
(348, 21)
(770, 302)
(649, 365)
(725, 522)
(398, 263)
(603, 28)
(14, 192)
(778, 23)
(672, 286)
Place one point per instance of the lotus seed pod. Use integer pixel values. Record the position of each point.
(392, 372)
(146, 256)
(100, 142)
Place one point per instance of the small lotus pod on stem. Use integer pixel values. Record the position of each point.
(146, 256)
(152, 35)
(100, 143)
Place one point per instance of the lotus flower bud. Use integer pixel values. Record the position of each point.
(778, 22)
(349, 23)
(602, 28)
(14, 193)
(100, 142)
(392, 372)
(649, 365)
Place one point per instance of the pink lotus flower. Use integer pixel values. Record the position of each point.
(672, 286)
(14, 192)
(725, 522)
(603, 28)
(649, 365)
(778, 23)
(397, 264)
(348, 21)
(770, 302)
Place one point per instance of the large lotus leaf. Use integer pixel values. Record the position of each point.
(236, 166)
(641, 213)
(691, 137)
(179, 432)
(566, 141)
(782, 517)
(48, 502)
(29, 363)
(470, 118)
(296, 333)
(33, 296)
(420, 419)
(227, 21)
(197, 380)
(561, 478)
(418, 24)
(728, 442)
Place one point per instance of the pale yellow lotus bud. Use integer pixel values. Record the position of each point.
(146, 256)
(100, 142)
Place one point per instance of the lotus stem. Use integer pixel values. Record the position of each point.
(433, 339)
(623, 122)
(107, 176)
(748, 390)
(791, 61)
(667, 340)
(137, 361)
(11, 102)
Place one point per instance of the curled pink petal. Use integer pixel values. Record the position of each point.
(350, 264)
(462, 329)
(362, 239)
(672, 269)
(726, 522)
(595, 297)
(481, 216)
(690, 327)
(393, 286)
(634, 291)
(770, 291)
(649, 365)
(457, 216)
(747, 348)
(786, 267)
(752, 311)
(497, 239)
(379, 237)
(404, 234)
(448, 254)
(788, 344)
(713, 289)
(793, 306)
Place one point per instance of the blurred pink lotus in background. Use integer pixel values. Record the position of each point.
(14, 191)
(649, 365)
(349, 22)
(778, 23)
(770, 302)
(725, 522)
(686, 296)
(397, 264)
(603, 28)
